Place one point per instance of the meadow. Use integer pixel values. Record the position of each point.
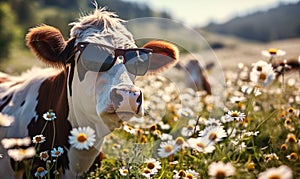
(250, 129)
(188, 134)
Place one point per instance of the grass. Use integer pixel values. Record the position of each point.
(267, 137)
(19, 61)
(185, 135)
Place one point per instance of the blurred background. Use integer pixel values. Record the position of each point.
(236, 30)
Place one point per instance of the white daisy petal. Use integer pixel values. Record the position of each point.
(82, 138)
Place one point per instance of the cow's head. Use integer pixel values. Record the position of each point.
(104, 61)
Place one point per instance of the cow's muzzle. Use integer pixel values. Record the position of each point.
(127, 101)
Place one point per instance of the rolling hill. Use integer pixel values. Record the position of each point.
(281, 22)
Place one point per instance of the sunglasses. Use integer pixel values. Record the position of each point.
(100, 58)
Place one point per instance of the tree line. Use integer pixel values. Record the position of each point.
(17, 16)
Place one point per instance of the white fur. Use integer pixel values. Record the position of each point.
(28, 91)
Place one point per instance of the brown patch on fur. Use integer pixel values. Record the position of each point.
(4, 79)
(52, 96)
(47, 43)
(164, 55)
(201, 82)
(17, 83)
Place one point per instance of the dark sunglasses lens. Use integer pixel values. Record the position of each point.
(137, 62)
(96, 58)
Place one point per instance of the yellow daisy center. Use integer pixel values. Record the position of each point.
(291, 138)
(38, 139)
(190, 127)
(147, 170)
(44, 155)
(201, 145)
(182, 173)
(212, 136)
(40, 169)
(220, 174)
(179, 141)
(125, 171)
(189, 176)
(151, 165)
(168, 148)
(82, 137)
(125, 151)
(22, 151)
(291, 110)
(262, 76)
(293, 156)
(284, 147)
(273, 51)
(288, 121)
(235, 114)
(259, 68)
(274, 177)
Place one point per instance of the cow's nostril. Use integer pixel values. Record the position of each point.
(127, 99)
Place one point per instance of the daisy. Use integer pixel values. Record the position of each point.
(11, 142)
(291, 111)
(40, 172)
(212, 122)
(167, 148)
(284, 147)
(123, 171)
(38, 139)
(282, 172)
(6, 120)
(187, 174)
(191, 174)
(179, 174)
(213, 133)
(57, 152)
(179, 141)
(251, 133)
(220, 170)
(20, 154)
(164, 126)
(237, 99)
(147, 173)
(174, 162)
(293, 157)
(49, 116)
(201, 144)
(130, 129)
(116, 146)
(187, 112)
(249, 90)
(189, 130)
(272, 52)
(44, 155)
(269, 157)
(262, 73)
(235, 116)
(291, 138)
(82, 138)
(153, 165)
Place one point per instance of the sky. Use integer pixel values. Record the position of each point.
(201, 12)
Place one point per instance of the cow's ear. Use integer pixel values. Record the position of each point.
(49, 45)
(164, 55)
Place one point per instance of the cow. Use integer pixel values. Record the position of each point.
(196, 77)
(89, 81)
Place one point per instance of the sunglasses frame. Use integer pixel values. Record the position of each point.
(117, 52)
